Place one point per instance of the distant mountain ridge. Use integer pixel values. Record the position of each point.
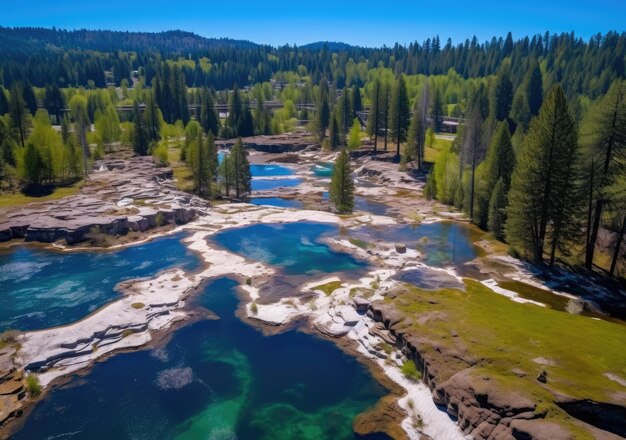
(104, 40)
(169, 41)
(330, 45)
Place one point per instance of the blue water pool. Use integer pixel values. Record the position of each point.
(295, 247)
(441, 243)
(323, 169)
(276, 201)
(270, 184)
(42, 288)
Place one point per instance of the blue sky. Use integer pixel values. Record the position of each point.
(368, 23)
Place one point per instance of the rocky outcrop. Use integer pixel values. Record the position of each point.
(386, 173)
(287, 143)
(12, 390)
(127, 193)
(484, 409)
(384, 418)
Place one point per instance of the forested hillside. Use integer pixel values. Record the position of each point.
(73, 58)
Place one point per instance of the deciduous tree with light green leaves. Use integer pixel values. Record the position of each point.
(341, 191)
(108, 128)
(354, 137)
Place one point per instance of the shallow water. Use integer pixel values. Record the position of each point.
(217, 379)
(323, 169)
(441, 243)
(264, 170)
(295, 247)
(260, 172)
(42, 288)
(362, 204)
(276, 201)
(260, 184)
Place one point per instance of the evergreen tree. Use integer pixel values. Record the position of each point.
(542, 199)
(437, 111)
(213, 162)
(245, 127)
(497, 210)
(198, 160)
(604, 138)
(333, 133)
(54, 101)
(385, 101)
(6, 145)
(29, 97)
(400, 114)
(501, 95)
(520, 111)
(472, 152)
(208, 116)
(357, 100)
(226, 172)
(373, 121)
(4, 102)
(342, 112)
(534, 88)
(417, 136)
(323, 110)
(262, 118)
(341, 191)
(498, 165)
(241, 166)
(152, 119)
(18, 115)
(141, 140)
(235, 107)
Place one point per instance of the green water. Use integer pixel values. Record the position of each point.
(215, 379)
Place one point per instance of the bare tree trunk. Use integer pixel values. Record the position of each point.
(618, 246)
(589, 246)
(600, 202)
(473, 182)
(237, 176)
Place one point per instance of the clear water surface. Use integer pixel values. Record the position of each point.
(41, 288)
(295, 247)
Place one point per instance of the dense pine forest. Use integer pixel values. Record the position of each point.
(538, 158)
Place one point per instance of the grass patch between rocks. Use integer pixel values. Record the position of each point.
(328, 288)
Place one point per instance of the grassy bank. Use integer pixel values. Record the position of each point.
(501, 336)
(18, 198)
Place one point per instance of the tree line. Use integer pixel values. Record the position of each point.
(84, 58)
